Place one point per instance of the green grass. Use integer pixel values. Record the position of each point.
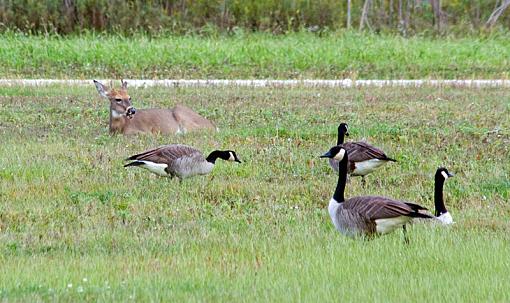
(75, 225)
(300, 55)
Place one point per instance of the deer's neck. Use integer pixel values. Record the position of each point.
(117, 122)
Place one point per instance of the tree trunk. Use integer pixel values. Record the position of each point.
(417, 6)
(436, 7)
(474, 14)
(69, 13)
(477, 15)
(349, 14)
(496, 4)
(400, 19)
(364, 15)
(407, 18)
(390, 18)
(497, 13)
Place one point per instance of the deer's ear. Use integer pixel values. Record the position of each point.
(124, 84)
(101, 89)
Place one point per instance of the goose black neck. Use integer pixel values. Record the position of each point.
(341, 137)
(214, 155)
(342, 179)
(438, 196)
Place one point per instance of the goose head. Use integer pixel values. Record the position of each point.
(336, 152)
(343, 129)
(229, 155)
(442, 174)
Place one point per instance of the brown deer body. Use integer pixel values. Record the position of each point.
(125, 119)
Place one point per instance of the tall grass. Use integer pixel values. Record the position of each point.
(75, 225)
(301, 55)
(205, 16)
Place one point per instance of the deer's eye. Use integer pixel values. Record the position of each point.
(129, 98)
(118, 100)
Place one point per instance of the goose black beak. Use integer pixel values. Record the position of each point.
(347, 134)
(327, 155)
(450, 175)
(238, 161)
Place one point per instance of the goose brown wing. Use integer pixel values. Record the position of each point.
(362, 151)
(416, 207)
(374, 207)
(167, 153)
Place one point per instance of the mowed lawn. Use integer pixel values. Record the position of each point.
(76, 225)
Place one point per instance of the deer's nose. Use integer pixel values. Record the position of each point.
(130, 111)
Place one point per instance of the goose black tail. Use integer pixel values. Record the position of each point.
(135, 163)
(420, 215)
(133, 157)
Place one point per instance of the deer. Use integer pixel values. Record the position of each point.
(126, 120)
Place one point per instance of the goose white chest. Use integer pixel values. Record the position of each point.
(333, 209)
(445, 218)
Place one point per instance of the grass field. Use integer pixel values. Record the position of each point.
(254, 56)
(75, 225)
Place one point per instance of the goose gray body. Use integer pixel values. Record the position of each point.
(371, 215)
(363, 158)
(177, 160)
(366, 215)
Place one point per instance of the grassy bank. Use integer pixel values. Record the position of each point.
(301, 55)
(75, 225)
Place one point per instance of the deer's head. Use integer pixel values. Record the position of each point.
(120, 101)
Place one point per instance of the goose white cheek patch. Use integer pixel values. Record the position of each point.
(231, 158)
(340, 155)
(445, 175)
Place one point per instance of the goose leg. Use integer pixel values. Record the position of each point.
(406, 239)
(363, 182)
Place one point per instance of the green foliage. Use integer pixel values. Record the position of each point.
(298, 55)
(213, 16)
(166, 16)
(77, 226)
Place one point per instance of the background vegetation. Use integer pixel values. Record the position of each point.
(254, 56)
(75, 225)
(406, 17)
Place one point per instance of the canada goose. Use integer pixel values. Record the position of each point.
(363, 157)
(177, 160)
(366, 215)
(441, 214)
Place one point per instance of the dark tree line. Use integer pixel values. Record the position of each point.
(406, 17)
(439, 15)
